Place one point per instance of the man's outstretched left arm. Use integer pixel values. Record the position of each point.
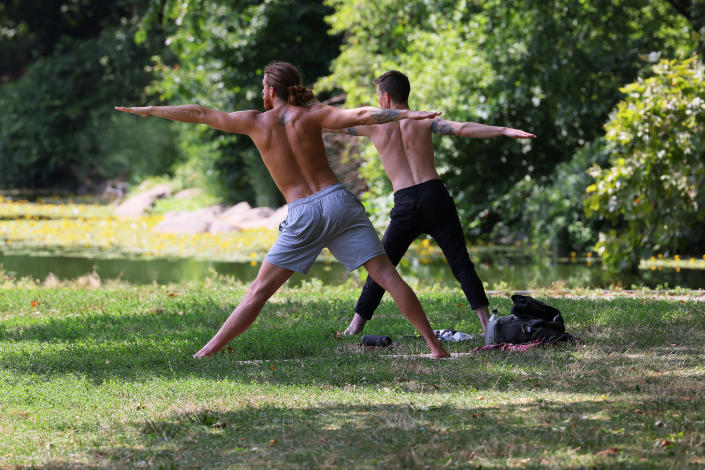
(476, 130)
(238, 122)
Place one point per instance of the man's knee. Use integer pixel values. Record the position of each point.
(260, 290)
(382, 272)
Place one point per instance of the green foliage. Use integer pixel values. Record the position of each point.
(30, 30)
(550, 213)
(694, 12)
(549, 67)
(59, 127)
(220, 50)
(652, 193)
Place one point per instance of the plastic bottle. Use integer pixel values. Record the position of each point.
(490, 327)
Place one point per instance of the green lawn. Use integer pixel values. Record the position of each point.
(104, 379)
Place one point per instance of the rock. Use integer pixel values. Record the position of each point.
(242, 217)
(137, 204)
(188, 193)
(236, 210)
(189, 221)
(215, 219)
(270, 220)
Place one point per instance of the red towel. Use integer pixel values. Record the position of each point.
(509, 346)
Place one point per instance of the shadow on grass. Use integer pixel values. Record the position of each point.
(539, 434)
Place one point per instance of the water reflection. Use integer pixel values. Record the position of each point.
(505, 272)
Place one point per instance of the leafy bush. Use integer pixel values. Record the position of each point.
(549, 212)
(652, 193)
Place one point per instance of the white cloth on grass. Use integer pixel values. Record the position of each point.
(452, 335)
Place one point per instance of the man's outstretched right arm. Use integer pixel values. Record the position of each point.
(238, 122)
(476, 130)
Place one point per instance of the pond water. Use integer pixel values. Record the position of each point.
(512, 272)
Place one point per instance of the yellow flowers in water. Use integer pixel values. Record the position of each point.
(93, 230)
(677, 263)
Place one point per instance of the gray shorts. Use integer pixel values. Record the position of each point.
(332, 218)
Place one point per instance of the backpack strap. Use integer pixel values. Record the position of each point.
(528, 307)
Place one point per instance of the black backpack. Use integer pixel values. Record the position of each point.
(529, 320)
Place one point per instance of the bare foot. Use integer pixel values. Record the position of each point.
(204, 352)
(356, 325)
(437, 349)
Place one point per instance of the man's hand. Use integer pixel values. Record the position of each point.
(417, 115)
(142, 111)
(517, 134)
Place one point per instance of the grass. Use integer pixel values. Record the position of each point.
(103, 378)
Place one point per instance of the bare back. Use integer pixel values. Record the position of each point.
(289, 140)
(406, 151)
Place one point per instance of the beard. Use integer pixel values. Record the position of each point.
(267, 103)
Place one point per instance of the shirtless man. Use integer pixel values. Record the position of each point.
(421, 201)
(322, 213)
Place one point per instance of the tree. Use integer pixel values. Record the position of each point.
(652, 193)
(694, 12)
(74, 61)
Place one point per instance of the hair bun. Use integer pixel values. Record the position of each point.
(299, 95)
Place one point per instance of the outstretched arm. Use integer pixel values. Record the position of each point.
(335, 118)
(476, 130)
(240, 122)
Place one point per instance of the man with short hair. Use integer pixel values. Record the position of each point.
(422, 204)
(322, 213)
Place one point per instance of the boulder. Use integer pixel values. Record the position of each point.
(244, 217)
(188, 193)
(235, 211)
(215, 219)
(136, 205)
(189, 221)
(269, 219)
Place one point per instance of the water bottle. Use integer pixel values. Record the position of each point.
(490, 327)
(494, 315)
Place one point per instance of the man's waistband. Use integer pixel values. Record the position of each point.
(315, 196)
(417, 188)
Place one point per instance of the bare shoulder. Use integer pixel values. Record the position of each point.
(238, 122)
(318, 109)
(250, 113)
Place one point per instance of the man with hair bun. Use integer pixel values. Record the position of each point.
(422, 204)
(322, 213)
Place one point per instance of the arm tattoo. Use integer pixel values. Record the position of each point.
(439, 126)
(350, 131)
(386, 115)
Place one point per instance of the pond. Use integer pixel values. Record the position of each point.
(496, 271)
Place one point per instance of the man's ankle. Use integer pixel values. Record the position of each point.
(357, 324)
(483, 314)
